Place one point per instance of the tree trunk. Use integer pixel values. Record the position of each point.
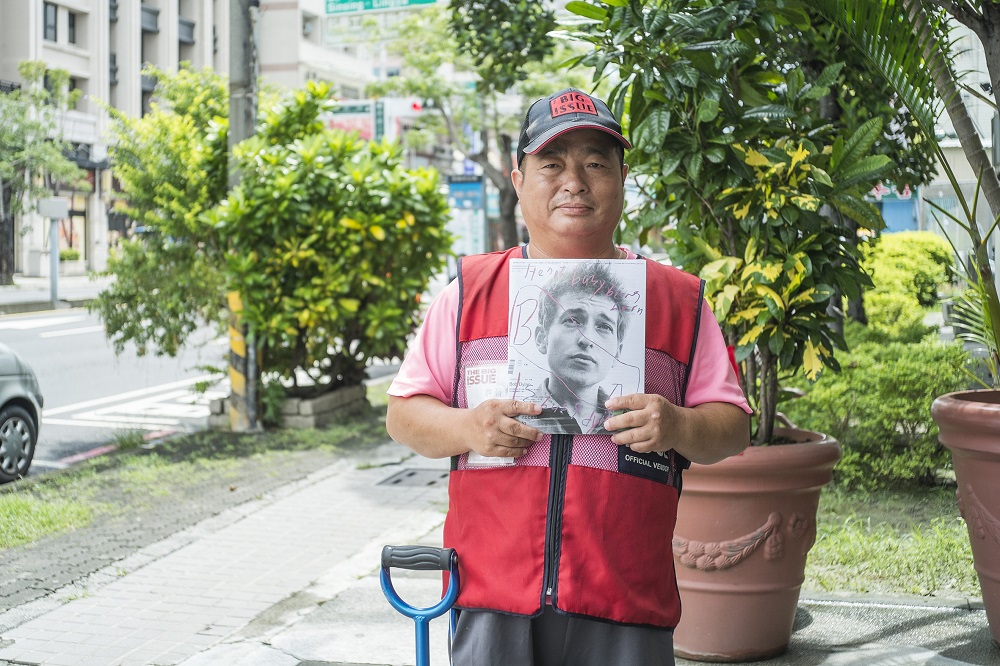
(500, 177)
(6, 238)
(968, 137)
(508, 195)
(767, 408)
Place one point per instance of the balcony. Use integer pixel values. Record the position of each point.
(185, 31)
(113, 11)
(148, 83)
(150, 19)
(113, 68)
(8, 87)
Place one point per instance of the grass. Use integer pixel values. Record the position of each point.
(26, 519)
(892, 542)
(126, 440)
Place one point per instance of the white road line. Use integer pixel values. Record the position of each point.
(38, 322)
(117, 425)
(71, 331)
(121, 397)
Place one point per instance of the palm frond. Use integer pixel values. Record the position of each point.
(906, 44)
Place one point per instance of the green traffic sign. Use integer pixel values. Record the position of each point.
(347, 6)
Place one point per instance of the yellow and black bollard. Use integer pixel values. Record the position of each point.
(242, 371)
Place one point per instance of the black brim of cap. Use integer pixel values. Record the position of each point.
(563, 128)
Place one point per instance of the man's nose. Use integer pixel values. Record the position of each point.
(575, 180)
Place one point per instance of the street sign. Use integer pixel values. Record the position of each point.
(349, 6)
(366, 117)
(54, 208)
(468, 217)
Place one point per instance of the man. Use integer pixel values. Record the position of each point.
(580, 332)
(564, 541)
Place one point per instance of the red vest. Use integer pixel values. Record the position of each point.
(577, 518)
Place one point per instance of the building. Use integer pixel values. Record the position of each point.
(104, 44)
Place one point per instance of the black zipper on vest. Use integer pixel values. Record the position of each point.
(559, 457)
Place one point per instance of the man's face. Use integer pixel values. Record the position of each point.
(582, 340)
(573, 189)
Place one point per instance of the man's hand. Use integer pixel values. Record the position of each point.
(498, 433)
(644, 427)
(703, 434)
(436, 430)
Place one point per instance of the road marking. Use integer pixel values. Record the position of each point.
(38, 322)
(71, 331)
(69, 460)
(113, 425)
(121, 397)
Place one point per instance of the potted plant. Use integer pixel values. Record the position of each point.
(969, 421)
(761, 198)
(911, 41)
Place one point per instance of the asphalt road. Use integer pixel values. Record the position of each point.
(93, 395)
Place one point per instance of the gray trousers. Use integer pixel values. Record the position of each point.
(492, 639)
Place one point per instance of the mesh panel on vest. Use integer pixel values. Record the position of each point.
(494, 350)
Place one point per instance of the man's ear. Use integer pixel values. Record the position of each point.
(540, 339)
(516, 177)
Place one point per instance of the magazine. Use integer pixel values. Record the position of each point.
(576, 337)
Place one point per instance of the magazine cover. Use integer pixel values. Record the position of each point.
(576, 337)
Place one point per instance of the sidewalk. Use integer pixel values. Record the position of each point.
(33, 294)
(289, 577)
(281, 569)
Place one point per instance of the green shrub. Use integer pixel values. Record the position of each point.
(892, 317)
(910, 262)
(334, 241)
(69, 254)
(878, 408)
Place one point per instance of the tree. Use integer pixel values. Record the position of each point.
(32, 151)
(451, 61)
(909, 42)
(736, 161)
(330, 243)
(328, 240)
(172, 166)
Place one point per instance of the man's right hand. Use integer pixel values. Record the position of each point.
(496, 430)
(436, 430)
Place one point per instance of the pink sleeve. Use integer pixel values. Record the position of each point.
(429, 365)
(711, 377)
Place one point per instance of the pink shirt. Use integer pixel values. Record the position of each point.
(429, 366)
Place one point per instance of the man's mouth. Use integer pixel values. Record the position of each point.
(574, 207)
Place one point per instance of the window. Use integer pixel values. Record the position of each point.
(50, 21)
(71, 33)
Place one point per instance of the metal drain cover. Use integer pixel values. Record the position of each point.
(417, 477)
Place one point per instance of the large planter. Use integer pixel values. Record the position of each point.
(744, 527)
(969, 422)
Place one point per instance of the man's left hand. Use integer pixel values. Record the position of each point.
(645, 424)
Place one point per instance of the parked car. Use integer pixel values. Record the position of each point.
(20, 415)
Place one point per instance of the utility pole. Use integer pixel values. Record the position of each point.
(243, 70)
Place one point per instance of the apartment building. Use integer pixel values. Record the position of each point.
(103, 44)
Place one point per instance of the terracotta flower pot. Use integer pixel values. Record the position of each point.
(969, 422)
(744, 527)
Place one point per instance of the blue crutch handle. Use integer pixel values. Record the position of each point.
(420, 558)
